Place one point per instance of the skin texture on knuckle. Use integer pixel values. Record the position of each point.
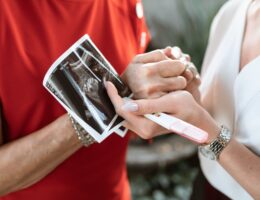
(131, 70)
(142, 92)
(181, 98)
(173, 84)
(182, 82)
(160, 55)
(148, 106)
(119, 110)
(137, 58)
(180, 67)
(185, 100)
(172, 98)
(171, 68)
(177, 83)
(149, 71)
(153, 90)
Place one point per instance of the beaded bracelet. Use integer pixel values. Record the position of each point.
(85, 138)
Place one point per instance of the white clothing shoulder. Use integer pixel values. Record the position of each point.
(232, 98)
(218, 28)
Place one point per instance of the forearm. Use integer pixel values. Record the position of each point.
(27, 160)
(243, 165)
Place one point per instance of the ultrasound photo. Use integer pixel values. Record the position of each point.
(76, 80)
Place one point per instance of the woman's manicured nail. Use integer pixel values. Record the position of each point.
(130, 106)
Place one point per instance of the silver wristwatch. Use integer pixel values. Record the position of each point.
(212, 150)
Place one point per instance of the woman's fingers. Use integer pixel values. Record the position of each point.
(112, 92)
(172, 103)
(148, 106)
(125, 108)
(188, 75)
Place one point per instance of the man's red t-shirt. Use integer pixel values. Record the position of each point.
(33, 33)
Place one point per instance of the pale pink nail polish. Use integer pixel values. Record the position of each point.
(130, 106)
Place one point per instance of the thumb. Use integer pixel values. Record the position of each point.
(113, 94)
(151, 57)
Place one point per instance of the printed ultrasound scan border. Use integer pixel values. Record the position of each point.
(59, 73)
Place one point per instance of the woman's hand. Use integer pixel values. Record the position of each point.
(180, 104)
(145, 128)
(154, 74)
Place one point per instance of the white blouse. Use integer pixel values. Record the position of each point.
(230, 96)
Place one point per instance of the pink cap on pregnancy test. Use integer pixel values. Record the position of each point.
(179, 127)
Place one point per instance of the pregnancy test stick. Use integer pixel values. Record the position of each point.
(179, 126)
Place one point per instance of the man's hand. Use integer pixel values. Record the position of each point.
(154, 74)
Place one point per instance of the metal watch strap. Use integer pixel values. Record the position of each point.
(217, 145)
(85, 138)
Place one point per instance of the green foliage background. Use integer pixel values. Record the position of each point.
(183, 23)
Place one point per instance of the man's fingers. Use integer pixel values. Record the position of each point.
(150, 57)
(170, 68)
(173, 52)
(173, 83)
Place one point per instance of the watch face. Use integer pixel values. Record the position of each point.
(206, 152)
(225, 134)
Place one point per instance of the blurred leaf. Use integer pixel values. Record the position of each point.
(183, 23)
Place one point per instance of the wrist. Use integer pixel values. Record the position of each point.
(225, 154)
(63, 132)
(208, 124)
(83, 136)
